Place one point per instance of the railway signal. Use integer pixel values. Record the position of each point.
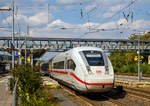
(136, 58)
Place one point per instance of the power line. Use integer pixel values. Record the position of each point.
(132, 2)
(126, 17)
(5, 9)
(32, 7)
(88, 12)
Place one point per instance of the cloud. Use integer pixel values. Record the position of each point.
(58, 24)
(73, 2)
(19, 18)
(108, 25)
(54, 30)
(40, 18)
(66, 2)
(35, 20)
(112, 10)
(5, 7)
(60, 17)
(5, 33)
(91, 7)
(54, 9)
(140, 24)
(40, 1)
(122, 21)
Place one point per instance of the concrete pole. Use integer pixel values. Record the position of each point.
(26, 44)
(31, 56)
(25, 49)
(20, 57)
(13, 35)
(138, 52)
(19, 47)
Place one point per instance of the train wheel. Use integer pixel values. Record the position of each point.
(50, 75)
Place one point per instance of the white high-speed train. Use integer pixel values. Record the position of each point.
(86, 69)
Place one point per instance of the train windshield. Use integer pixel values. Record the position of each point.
(94, 58)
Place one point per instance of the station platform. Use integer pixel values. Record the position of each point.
(132, 81)
(5, 94)
(47, 81)
(63, 97)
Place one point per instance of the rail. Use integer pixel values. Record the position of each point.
(90, 101)
(144, 94)
(15, 95)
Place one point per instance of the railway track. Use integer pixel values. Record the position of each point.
(84, 100)
(141, 93)
(97, 100)
(115, 102)
(117, 97)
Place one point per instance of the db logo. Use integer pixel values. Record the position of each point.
(98, 71)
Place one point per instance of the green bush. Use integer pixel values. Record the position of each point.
(30, 86)
(145, 68)
(11, 84)
(133, 69)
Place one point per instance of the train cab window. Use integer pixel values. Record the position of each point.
(58, 65)
(94, 58)
(71, 64)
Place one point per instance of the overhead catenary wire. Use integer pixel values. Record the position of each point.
(48, 9)
(132, 13)
(131, 3)
(18, 23)
(81, 10)
(90, 25)
(118, 12)
(88, 12)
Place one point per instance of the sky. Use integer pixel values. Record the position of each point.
(101, 19)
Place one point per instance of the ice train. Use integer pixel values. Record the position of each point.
(85, 69)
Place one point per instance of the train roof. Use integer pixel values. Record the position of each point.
(86, 48)
(75, 50)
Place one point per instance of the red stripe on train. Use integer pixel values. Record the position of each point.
(72, 74)
(61, 72)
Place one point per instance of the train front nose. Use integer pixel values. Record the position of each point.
(99, 84)
(99, 76)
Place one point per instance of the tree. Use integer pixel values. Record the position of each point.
(121, 59)
(142, 37)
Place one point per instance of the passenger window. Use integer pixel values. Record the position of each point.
(59, 65)
(94, 58)
(71, 64)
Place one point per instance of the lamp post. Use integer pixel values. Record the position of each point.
(31, 56)
(26, 48)
(13, 35)
(138, 52)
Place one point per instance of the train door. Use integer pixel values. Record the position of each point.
(71, 69)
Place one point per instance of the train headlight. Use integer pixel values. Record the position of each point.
(107, 70)
(88, 69)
